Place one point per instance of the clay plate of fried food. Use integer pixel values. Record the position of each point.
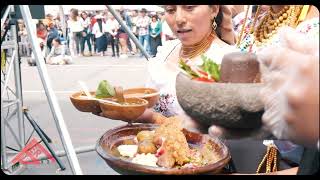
(162, 149)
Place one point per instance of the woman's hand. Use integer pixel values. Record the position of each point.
(288, 72)
(150, 116)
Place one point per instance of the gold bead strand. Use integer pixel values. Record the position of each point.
(255, 19)
(243, 27)
(275, 163)
(263, 160)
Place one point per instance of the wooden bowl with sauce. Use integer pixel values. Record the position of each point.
(107, 148)
(149, 94)
(128, 111)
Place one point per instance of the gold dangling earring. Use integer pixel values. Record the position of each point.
(214, 24)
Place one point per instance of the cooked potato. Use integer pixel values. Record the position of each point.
(166, 160)
(147, 146)
(144, 135)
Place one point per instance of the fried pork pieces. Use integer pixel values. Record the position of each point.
(169, 148)
(173, 146)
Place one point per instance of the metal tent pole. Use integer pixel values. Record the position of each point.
(5, 15)
(52, 99)
(63, 20)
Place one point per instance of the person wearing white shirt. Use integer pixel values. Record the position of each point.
(75, 28)
(112, 29)
(99, 29)
(167, 34)
(143, 22)
(85, 38)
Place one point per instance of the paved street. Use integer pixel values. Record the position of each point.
(84, 128)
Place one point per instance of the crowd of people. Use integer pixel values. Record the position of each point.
(92, 33)
(101, 30)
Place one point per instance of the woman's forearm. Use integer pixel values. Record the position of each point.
(150, 116)
(146, 117)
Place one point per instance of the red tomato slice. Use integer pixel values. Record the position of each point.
(204, 79)
(203, 73)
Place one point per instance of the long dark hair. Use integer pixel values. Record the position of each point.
(82, 15)
(218, 20)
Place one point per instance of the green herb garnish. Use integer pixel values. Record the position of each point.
(210, 67)
(188, 69)
(105, 90)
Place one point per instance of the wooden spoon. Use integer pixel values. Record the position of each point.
(86, 91)
(119, 94)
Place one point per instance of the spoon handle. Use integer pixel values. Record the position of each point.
(85, 88)
(106, 101)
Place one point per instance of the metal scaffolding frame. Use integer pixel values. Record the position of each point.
(14, 64)
(18, 99)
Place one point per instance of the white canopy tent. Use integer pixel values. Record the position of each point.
(54, 9)
(154, 8)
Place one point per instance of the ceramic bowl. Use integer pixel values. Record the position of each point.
(112, 138)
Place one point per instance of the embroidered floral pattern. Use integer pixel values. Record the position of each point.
(164, 104)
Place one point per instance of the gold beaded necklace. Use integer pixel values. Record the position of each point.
(189, 52)
(271, 160)
(273, 21)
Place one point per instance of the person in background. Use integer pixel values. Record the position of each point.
(143, 25)
(134, 29)
(48, 19)
(161, 16)
(59, 54)
(93, 39)
(86, 33)
(128, 21)
(52, 34)
(42, 33)
(167, 33)
(32, 61)
(123, 38)
(113, 27)
(57, 21)
(58, 24)
(134, 19)
(23, 42)
(99, 30)
(239, 17)
(105, 15)
(76, 29)
(155, 36)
